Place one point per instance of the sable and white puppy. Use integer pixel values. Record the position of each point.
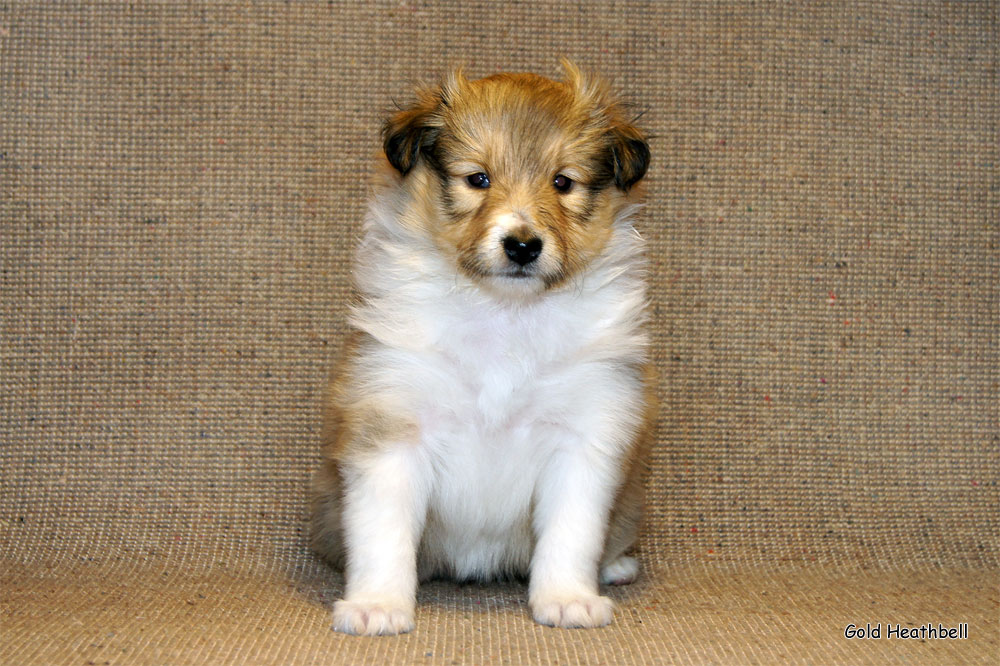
(491, 416)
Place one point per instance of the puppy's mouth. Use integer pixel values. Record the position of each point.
(521, 278)
(475, 268)
(518, 272)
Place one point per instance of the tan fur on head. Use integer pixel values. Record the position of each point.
(555, 161)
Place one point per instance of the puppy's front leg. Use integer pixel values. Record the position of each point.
(385, 502)
(573, 501)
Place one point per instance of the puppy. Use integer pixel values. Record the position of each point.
(491, 415)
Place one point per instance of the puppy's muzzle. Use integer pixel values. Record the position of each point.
(522, 251)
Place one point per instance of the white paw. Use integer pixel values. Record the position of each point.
(583, 611)
(364, 618)
(620, 572)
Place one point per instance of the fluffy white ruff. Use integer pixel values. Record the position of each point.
(527, 404)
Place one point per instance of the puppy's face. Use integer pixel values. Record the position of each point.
(517, 178)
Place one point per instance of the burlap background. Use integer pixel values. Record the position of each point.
(181, 185)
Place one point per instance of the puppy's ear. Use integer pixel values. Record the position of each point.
(629, 156)
(628, 152)
(409, 131)
(414, 130)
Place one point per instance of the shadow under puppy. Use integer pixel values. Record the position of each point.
(492, 413)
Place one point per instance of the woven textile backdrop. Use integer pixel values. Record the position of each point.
(181, 189)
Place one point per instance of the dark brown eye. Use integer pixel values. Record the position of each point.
(562, 183)
(479, 180)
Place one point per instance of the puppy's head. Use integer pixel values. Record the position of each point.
(517, 178)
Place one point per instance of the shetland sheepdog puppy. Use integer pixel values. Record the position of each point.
(491, 415)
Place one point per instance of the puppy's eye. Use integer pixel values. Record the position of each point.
(562, 183)
(479, 180)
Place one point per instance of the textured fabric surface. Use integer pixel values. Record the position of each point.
(181, 188)
(86, 614)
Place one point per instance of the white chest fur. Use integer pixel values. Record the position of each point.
(498, 389)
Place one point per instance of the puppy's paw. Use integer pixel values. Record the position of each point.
(371, 618)
(621, 571)
(581, 611)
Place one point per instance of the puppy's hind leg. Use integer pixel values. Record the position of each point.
(617, 568)
(326, 532)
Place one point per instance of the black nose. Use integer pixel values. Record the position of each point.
(522, 252)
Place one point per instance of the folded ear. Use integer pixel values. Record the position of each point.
(414, 130)
(629, 152)
(629, 156)
(408, 131)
